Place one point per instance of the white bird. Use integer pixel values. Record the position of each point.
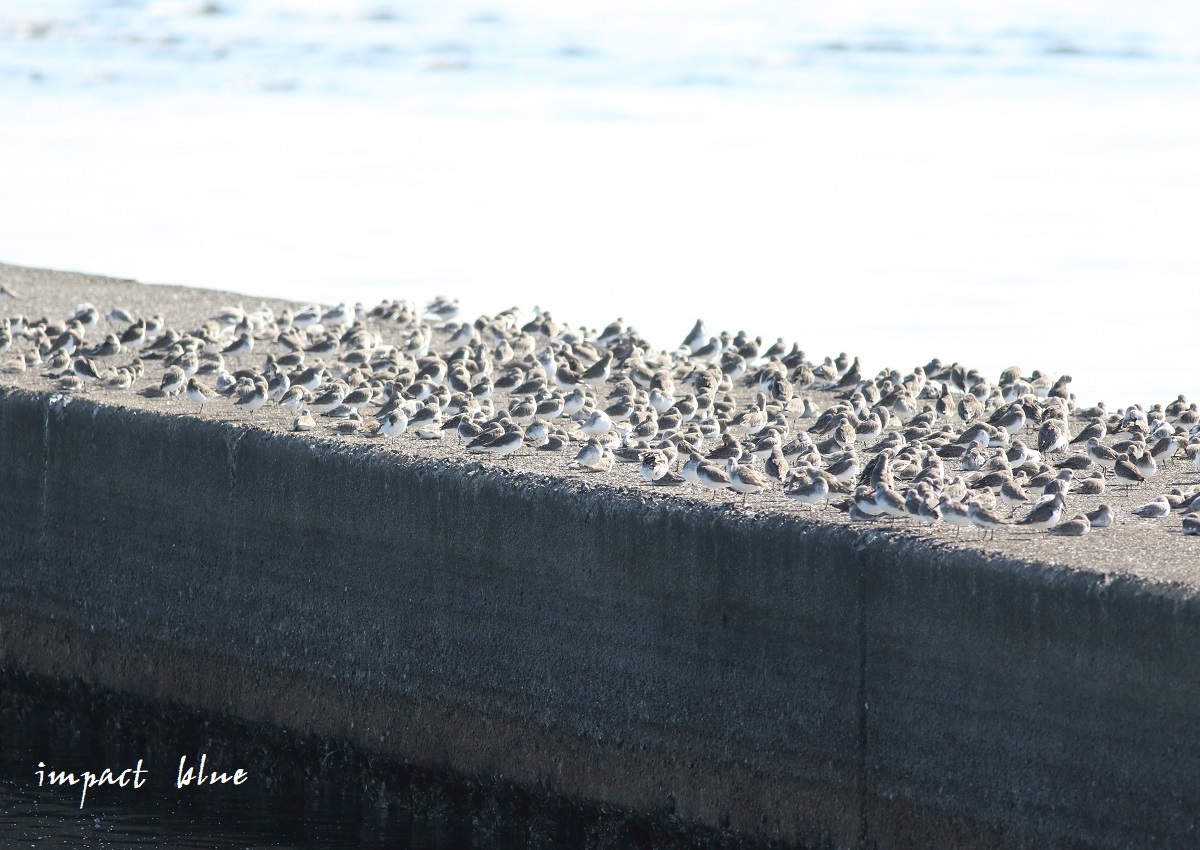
(596, 424)
(1157, 509)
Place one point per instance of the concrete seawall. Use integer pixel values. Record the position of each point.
(814, 684)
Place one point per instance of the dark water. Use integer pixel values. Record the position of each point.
(295, 811)
(298, 791)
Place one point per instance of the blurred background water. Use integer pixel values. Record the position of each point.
(996, 184)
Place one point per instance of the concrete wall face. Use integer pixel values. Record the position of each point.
(805, 683)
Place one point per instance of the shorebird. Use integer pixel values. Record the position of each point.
(598, 374)
(1096, 430)
(1012, 495)
(254, 398)
(294, 399)
(394, 424)
(955, 513)
(729, 448)
(537, 434)
(712, 477)
(983, 518)
(1102, 517)
(1101, 455)
(1146, 464)
(556, 442)
(509, 443)
(595, 457)
(776, 466)
(812, 492)
(349, 426)
(1156, 509)
(244, 344)
(596, 424)
(304, 421)
(200, 393)
(654, 465)
(1076, 526)
(1060, 484)
(1052, 436)
(844, 468)
(329, 399)
(110, 347)
(425, 418)
(1126, 472)
(173, 381)
(1045, 514)
(119, 316)
(745, 479)
(889, 502)
(118, 379)
(85, 369)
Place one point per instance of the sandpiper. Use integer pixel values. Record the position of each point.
(329, 399)
(507, 443)
(1092, 485)
(85, 369)
(596, 424)
(1076, 526)
(173, 381)
(729, 448)
(349, 426)
(1102, 517)
(983, 518)
(776, 466)
(119, 316)
(954, 513)
(556, 442)
(1096, 430)
(429, 416)
(745, 479)
(394, 424)
(109, 347)
(812, 491)
(598, 374)
(1146, 464)
(1126, 472)
(844, 468)
(295, 398)
(889, 502)
(1156, 509)
(254, 398)
(537, 434)
(712, 477)
(200, 393)
(244, 344)
(1012, 495)
(1052, 437)
(595, 457)
(1045, 514)
(654, 465)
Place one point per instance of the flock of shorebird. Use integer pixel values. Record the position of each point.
(940, 444)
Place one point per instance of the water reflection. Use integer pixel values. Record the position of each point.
(292, 812)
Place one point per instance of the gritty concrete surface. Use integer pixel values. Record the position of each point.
(805, 681)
